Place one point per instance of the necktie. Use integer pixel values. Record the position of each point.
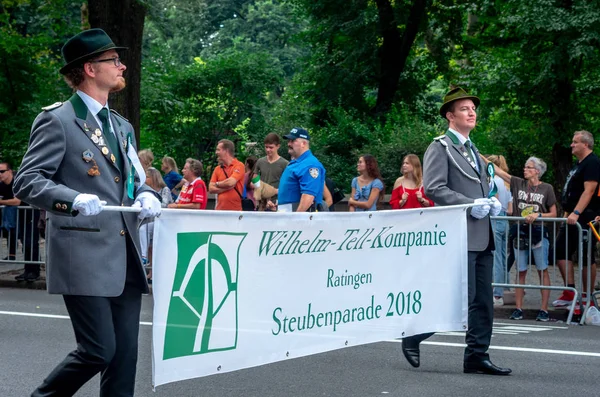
(110, 137)
(469, 150)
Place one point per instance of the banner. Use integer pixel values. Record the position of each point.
(234, 290)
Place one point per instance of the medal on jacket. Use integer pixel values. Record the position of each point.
(88, 156)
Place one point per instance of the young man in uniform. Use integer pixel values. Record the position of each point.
(454, 174)
(81, 152)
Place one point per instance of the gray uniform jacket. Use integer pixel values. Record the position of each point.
(449, 178)
(85, 255)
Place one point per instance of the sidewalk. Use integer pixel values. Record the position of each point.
(533, 299)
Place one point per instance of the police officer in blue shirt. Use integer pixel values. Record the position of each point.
(302, 182)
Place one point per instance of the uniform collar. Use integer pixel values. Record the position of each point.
(456, 137)
(93, 105)
(303, 156)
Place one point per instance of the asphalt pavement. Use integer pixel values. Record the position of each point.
(550, 359)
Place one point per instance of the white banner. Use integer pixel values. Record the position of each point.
(234, 290)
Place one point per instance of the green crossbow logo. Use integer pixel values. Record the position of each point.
(202, 316)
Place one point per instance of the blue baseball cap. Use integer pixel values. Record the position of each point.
(296, 133)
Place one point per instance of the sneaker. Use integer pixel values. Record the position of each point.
(498, 301)
(542, 316)
(30, 277)
(564, 300)
(21, 277)
(517, 315)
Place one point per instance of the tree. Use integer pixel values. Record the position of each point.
(31, 35)
(123, 21)
(226, 96)
(536, 63)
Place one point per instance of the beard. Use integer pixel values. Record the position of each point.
(119, 85)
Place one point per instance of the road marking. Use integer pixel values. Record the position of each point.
(447, 344)
(56, 316)
(508, 329)
(509, 348)
(531, 326)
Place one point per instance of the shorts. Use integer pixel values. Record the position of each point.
(566, 252)
(540, 256)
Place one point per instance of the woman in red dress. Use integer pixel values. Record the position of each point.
(408, 190)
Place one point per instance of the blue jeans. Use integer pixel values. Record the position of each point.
(540, 256)
(500, 239)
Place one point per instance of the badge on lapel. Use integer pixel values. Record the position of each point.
(88, 156)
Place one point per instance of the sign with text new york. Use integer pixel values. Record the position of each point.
(202, 315)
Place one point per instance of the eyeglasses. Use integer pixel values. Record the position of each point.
(529, 168)
(115, 60)
(3, 171)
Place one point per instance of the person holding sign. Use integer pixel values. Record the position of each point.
(454, 174)
(81, 152)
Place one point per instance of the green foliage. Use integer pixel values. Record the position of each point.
(224, 97)
(239, 69)
(30, 36)
(341, 142)
(536, 65)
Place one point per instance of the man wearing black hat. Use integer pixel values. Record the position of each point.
(80, 153)
(454, 174)
(303, 180)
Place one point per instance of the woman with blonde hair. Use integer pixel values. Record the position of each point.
(146, 158)
(155, 181)
(500, 228)
(408, 190)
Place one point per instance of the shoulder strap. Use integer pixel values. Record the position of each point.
(235, 187)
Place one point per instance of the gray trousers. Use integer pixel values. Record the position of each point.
(481, 308)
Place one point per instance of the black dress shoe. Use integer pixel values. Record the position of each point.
(484, 367)
(411, 353)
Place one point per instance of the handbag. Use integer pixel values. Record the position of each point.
(247, 204)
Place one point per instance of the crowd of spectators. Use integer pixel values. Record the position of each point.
(255, 186)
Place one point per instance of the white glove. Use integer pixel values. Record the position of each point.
(495, 206)
(148, 203)
(87, 204)
(482, 209)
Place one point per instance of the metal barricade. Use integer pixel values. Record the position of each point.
(583, 236)
(21, 240)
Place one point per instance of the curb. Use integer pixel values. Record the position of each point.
(8, 283)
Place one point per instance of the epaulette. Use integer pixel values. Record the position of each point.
(117, 114)
(52, 107)
(437, 138)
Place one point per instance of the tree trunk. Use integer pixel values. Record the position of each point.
(395, 49)
(123, 21)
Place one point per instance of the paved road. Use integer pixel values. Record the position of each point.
(549, 359)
